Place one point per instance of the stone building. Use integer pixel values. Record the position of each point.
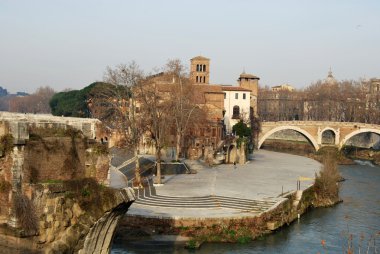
(229, 103)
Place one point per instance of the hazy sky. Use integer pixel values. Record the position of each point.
(69, 43)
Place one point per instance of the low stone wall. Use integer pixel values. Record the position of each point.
(235, 229)
(18, 125)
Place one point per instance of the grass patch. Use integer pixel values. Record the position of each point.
(52, 181)
(100, 149)
(89, 193)
(244, 239)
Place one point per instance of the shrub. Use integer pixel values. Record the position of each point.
(326, 182)
(6, 143)
(100, 149)
(25, 213)
(192, 244)
(5, 186)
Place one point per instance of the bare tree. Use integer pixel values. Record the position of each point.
(155, 108)
(38, 102)
(182, 102)
(120, 104)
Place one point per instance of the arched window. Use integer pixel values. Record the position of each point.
(196, 79)
(197, 67)
(204, 79)
(236, 112)
(204, 68)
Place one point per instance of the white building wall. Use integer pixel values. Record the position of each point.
(230, 101)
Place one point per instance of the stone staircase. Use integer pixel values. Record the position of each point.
(244, 205)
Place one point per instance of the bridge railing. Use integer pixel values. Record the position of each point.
(353, 124)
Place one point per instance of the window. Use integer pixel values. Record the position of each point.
(236, 112)
(243, 96)
(204, 67)
(196, 79)
(225, 95)
(204, 79)
(236, 96)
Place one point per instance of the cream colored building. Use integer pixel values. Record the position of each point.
(236, 105)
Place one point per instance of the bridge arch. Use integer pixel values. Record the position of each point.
(331, 130)
(350, 135)
(281, 128)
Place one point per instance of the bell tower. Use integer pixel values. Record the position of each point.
(250, 82)
(200, 70)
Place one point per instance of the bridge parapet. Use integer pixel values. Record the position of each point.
(319, 123)
(18, 124)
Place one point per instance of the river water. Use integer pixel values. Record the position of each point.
(357, 218)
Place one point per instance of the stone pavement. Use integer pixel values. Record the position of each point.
(223, 191)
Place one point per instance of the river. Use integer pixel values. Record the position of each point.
(358, 215)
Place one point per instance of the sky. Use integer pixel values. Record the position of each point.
(69, 43)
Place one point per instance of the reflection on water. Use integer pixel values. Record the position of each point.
(358, 215)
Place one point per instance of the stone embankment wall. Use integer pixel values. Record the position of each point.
(234, 229)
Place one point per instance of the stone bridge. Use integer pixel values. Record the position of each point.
(18, 125)
(319, 133)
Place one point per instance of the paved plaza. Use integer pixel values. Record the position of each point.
(257, 184)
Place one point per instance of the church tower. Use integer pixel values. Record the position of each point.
(250, 82)
(200, 70)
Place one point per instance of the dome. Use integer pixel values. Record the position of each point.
(330, 79)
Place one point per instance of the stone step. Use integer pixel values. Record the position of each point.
(211, 198)
(216, 204)
(208, 206)
(233, 200)
(204, 202)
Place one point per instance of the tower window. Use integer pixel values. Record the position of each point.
(196, 79)
(204, 79)
(204, 68)
(243, 96)
(225, 95)
(236, 96)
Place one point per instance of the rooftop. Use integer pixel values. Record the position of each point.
(249, 76)
(199, 58)
(234, 88)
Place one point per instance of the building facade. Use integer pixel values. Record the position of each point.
(237, 106)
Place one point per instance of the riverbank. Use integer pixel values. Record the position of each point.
(271, 177)
(197, 231)
(346, 156)
(356, 219)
